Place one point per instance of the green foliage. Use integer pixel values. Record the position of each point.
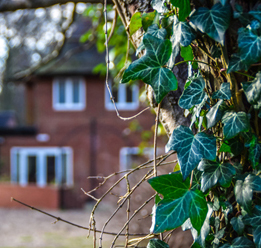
(150, 68)
(216, 193)
(157, 243)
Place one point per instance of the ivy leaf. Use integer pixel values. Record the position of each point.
(135, 23)
(223, 2)
(215, 114)
(233, 146)
(175, 209)
(155, 31)
(214, 172)
(238, 224)
(183, 32)
(244, 188)
(191, 149)
(249, 45)
(240, 242)
(213, 22)
(157, 243)
(147, 19)
(256, 13)
(253, 219)
(254, 154)
(223, 93)
(257, 236)
(171, 186)
(150, 68)
(194, 94)
(184, 8)
(186, 53)
(234, 123)
(236, 64)
(252, 91)
(159, 6)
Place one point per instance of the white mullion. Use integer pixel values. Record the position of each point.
(41, 169)
(23, 177)
(122, 94)
(68, 92)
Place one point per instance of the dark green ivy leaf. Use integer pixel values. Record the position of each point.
(155, 31)
(252, 91)
(257, 236)
(256, 13)
(238, 224)
(214, 172)
(213, 22)
(234, 123)
(150, 67)
(191, 149)
(244, 17)
(157, 243)
(223, 2)
(233, 146)
(183, 32)
(215, 114)
(236, 64)
(254, 220)
(176, 208)
(249, 45)
(244, 188)
(184, 8)
(223, 93)
(240, 242)
(254, 154)
(194, 94)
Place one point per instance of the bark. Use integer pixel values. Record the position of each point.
(171, 115)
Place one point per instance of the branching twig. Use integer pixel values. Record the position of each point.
(68, 222)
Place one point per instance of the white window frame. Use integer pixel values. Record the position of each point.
(125, 151)
(122, 104)
(41, 170)
(69, 105)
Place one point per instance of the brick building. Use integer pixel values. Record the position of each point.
(71, 131)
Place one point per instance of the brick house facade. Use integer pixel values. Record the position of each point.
(72, 132)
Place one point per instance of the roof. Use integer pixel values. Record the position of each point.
(75, 58)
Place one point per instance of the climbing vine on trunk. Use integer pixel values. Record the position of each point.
(215, 193)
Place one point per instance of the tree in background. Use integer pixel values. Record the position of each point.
(215, 191)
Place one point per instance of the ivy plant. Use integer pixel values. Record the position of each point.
(222, 146)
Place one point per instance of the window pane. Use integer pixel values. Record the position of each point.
(129, 94)
(50, 160)
(31, 161)
(61, 91)
(115, 93)
(17, 167)
(76, 91)
(64, 168)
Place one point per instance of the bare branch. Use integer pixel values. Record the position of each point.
(12, 5)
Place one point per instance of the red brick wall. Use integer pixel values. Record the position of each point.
(47, 197)
(95, 134)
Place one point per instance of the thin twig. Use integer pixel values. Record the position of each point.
(128, 212)
(191, 179)
(86, 193)
(145, 177)
(155, 139)
(68, 222)
(134, 214)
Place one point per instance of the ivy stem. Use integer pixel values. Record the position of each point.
(198, 61)
(155, 139)
(244, 74)
(191, 179)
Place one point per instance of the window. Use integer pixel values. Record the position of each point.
(125, 96)
(69, 94)
(41, 165)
